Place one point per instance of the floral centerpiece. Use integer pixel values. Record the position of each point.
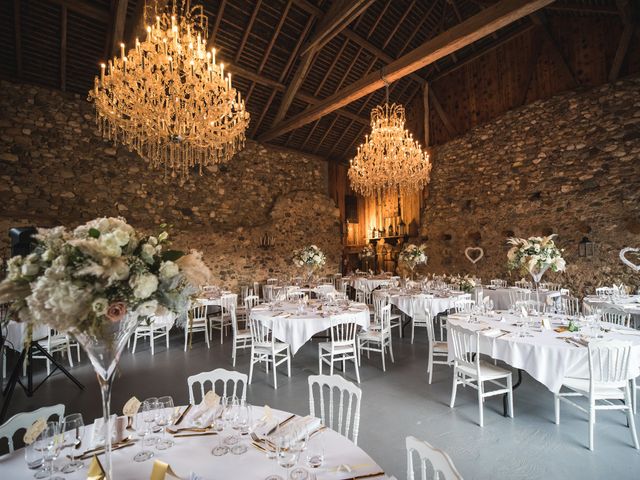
(367, 252)
(310, 258)
(467, 284)
(412, 256)
(97, 283)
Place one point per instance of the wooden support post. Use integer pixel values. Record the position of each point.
(625, 39)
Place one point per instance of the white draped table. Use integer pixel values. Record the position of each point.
(295, 328)
(414, 304)
(630, 304)
(367, 284)
(193, 455)
(501, 300)
(545, 355)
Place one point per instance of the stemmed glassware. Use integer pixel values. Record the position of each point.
(145, 419)
(165, 416)
(49, 442)
(299, 444)
(72, 430)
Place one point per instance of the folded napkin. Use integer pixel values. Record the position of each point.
(161, 470)
(118, 432)
(493, 332)
(34, 431)
(131, 407)
(203, 413)
(301, 426)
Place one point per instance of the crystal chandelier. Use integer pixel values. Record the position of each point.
(168, 100)
(389, 159)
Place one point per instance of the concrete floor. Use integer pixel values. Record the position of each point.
(395, 404)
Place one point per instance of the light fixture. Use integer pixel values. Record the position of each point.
(389, 158)
(585, 247)
(168, 99)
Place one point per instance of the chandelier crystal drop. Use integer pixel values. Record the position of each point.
(389, 159)
(168, 100)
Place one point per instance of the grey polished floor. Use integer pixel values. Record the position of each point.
(395, 404)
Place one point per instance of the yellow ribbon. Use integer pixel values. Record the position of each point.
(96, 472)
(161, 470)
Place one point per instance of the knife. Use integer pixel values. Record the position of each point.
(182, 415)
(368, 475)
(280, 424)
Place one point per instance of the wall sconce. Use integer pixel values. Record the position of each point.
(267, 241)
(402, 228)
(585, 247)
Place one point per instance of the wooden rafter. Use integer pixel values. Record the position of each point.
(85, 8)
(530, 71)
(375, 24)
(398, 24)
(625, 39)
(336, 57)
(441, 113)
(326, 132)
(540, 19)
(579, 7)
(418, 27)
(459, 36)
(63, 49)
(247, 30)
(17, 33)
(216, 25)
(117, 27)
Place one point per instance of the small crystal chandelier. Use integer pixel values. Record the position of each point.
(389, 159)
(168, 100)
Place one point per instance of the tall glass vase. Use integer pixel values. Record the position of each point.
(103, 347)
(536, 273)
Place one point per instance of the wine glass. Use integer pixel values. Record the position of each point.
(165, 414)
(50, 442)
(229, 414)
(315, 454)
(72, 430)
(145, 419)
(299, 441)
(286, 452)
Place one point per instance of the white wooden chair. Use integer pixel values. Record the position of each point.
(518, 295)
(223, 321)
(380, 299)
(341, 348)
(272, 281)
(618, 317)
(55, 342)
(499, 283)
(232, 381)
(464, 306)
(196, 322)
(441, 464)
(524, 284)
(421, 317)
(22, 421)
(256, 289)
(158, 327)
(377, 338)
(438, 351)
(609, 377)
(294, 295)
(469, 368)
(264, 348)
(335, 389)
(241, 338)
(604, 291)
(569, 305)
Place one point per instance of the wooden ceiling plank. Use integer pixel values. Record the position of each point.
(459, 36)
(579, 7)
(441, 113)
(311, 130)
(398, 24)
(326, 132)
(247, 30)
(355, 139)
(426, 117)
(625, 39)
(330, 69)
(117, 27)
(375, 24)
(540, 19)
(274, 37)
(296, 82)
(85, 8)
(63, 49)
(256, 124)
(530, 70)
(17, 32)
(216, 25)
(418, 27)
(335, 144)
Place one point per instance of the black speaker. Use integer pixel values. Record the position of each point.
(22, 240)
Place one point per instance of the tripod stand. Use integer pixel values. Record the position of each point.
(14, 378)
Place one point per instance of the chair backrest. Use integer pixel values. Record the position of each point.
(385, 319)
(518, 295)
(293, 295)
(198, 313)
(231, 311)
(267, 293)
(22, 421)
(245, 291)
(272, 281)
(609, 362)
(256, 289)
(523, 284)
(569, 305)
(334, 389)
(250, 302)
(228, 301)
(380, 299)
(613, 315)
(465, 345)
(464, 306)
(232, 381)
(343, 332)
(604, 291)
(443, 468)
(260, 334)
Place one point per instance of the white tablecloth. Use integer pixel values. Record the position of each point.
(630, 304)
(194, 455)
(414, 304)
(16, 333)
(500, 296)
(368, 284)
(543, 356)
(294, 328)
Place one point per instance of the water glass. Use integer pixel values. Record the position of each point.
(33, 456)
(286, 453)
(145, 419)
(165, 416)
(315, 454)
(72, 430)
(49, 443)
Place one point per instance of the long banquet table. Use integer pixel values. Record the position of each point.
(414, 303)
(192, 455)
(546, 356)
(290, 325)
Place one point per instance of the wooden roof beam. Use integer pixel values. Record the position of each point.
(625, 39)
(17, 33)
(85, 8)
(457, 37)
(247, 30)
(116, 34)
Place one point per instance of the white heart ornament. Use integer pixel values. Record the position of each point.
(628, 262)
(474, 259)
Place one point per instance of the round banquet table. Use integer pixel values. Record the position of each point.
(630, 304)
(191, 457)
(295, 328)
(414, 304)
(546, 356)
(368, 284)
(500, 296)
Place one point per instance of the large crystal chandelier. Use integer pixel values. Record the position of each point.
(168, 99)
(389, 159)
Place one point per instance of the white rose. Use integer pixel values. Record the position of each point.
(121, 236)
(153, 241)
(147, 253)
(119, 270)
(163, 236)
(109, 245)
(147, 309)
(143, 285)
(29, 269)
(168, 270)
(100, 306)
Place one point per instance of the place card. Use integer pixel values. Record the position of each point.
(546, 323)
(131, 407)
(96, 472)
(161, 470)
(34, 431)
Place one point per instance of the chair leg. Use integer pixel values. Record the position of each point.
(251, 366)
(355, 363)
(631, 418)
(413, 329)
(135, 343)
(167, 336)
(382, 352)
(275, 378)
(510, 395)
(454, 389)
(391, 350)
(430, 364)
(233, 352)
(319, 360)
(480, 403)
(153, 342)
(331, 364)
(186, 335)
(592, 422)
(288, 363)
(69, 354)
(556, 407)
(634, 392)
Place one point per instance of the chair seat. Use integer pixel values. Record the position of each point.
(337, 349)
(581, 385)
(266, 348)
(440, 347)
(246, 333)
(488, 371)
(375, 335)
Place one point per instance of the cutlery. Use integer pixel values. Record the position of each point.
(189, 429)
(124, 441)
(317, 432)
(183, 414)
(100, 451)
(571, 343)
(282, 423)
(259, 447)
(200, 434)
(368, 475)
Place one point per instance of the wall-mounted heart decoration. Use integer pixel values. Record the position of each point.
(474, 254)
(628, 262)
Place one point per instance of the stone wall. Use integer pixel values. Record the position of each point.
(568, 165)
(55, 170)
